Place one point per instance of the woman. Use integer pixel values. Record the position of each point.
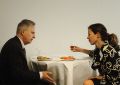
(105, 56)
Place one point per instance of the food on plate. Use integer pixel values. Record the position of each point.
(67, 58)
(43, 58)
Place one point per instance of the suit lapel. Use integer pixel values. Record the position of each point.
(20, 47)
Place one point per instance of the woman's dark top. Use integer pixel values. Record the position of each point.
(107, 61)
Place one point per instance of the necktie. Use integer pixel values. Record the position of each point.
(24, 51)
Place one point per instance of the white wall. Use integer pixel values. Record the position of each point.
(59, 23)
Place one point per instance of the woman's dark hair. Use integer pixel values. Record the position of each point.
(99, 28)
(113, 41)
(111, 38)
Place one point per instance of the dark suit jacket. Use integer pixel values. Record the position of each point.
(13, 64)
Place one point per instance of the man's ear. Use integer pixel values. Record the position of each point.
(22, 32)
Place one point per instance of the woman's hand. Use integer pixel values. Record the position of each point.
(96, 77)
(75, 48)
(78, 49)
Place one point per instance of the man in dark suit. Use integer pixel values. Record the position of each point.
(13, 64)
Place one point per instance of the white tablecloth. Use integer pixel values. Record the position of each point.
(65, 72)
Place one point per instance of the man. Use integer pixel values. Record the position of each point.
(13, 64)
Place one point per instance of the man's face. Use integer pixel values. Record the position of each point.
(28, 35)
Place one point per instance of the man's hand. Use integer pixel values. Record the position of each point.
(47, 76)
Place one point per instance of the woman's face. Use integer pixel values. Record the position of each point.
(92, 37)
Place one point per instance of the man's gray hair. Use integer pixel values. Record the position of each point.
(23, 23)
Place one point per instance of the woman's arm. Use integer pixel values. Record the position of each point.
(96, 77)
(78, 49)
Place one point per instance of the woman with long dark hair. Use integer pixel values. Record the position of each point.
(105, 56)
